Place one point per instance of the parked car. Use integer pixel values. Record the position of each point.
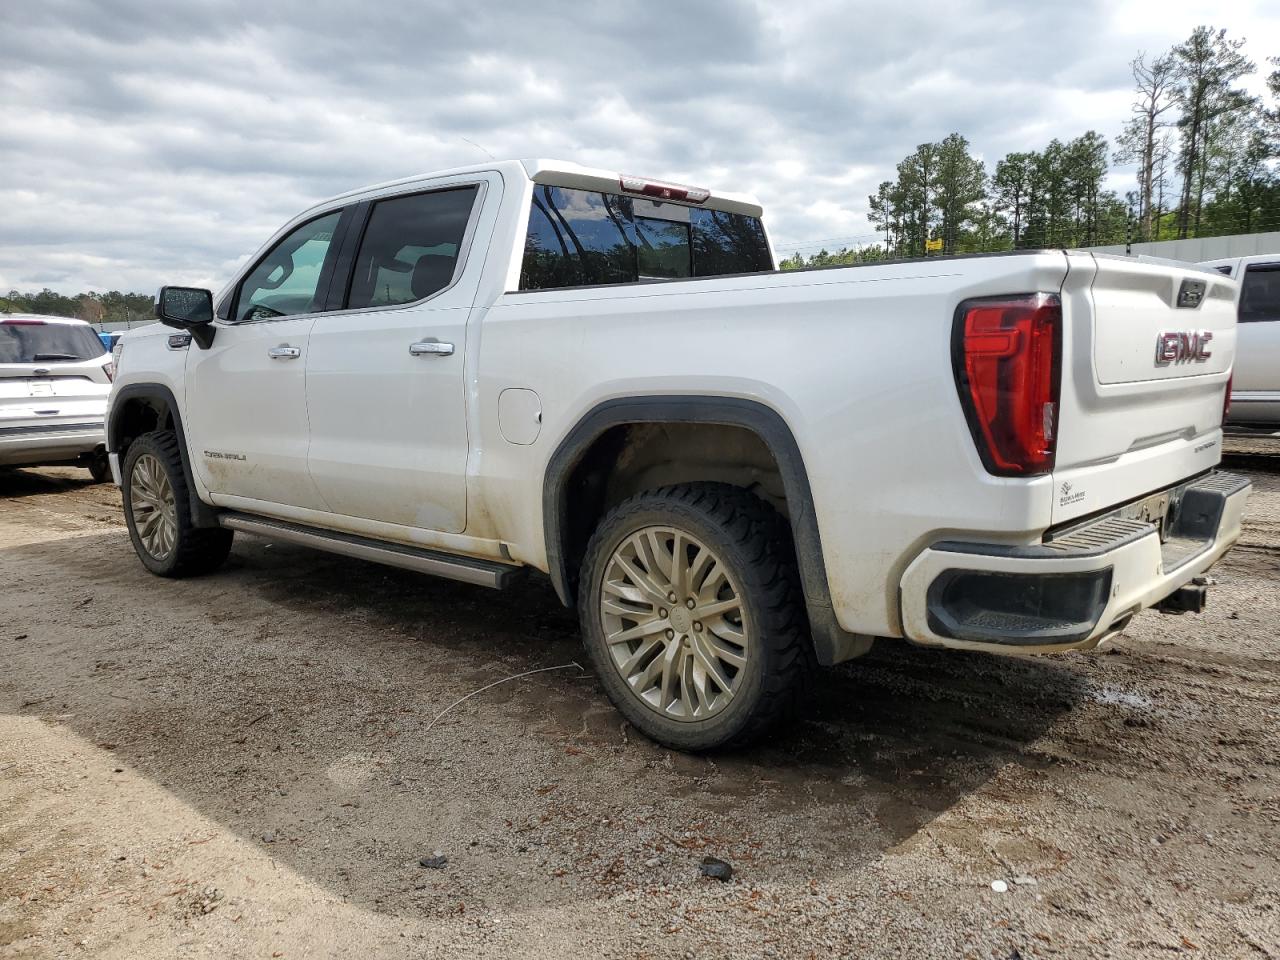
(734, 473)
(1255, 387)
(54, 380)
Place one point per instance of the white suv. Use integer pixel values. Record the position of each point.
(54, 380)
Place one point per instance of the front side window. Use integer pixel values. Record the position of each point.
(286, 281)
(579, 237)
(410, 247)
(1260, 293)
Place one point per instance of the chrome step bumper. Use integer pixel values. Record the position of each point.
(1082, 583)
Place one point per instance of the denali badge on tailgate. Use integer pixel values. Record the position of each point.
(1182, 346)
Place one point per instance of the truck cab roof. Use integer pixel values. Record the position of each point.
(563, 173)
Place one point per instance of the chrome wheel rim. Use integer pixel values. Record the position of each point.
(153, 506)
(674, 623)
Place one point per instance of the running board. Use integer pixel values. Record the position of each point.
(483, 573)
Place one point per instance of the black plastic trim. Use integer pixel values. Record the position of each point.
(766, 423)
(1040, 551)
(202, 514)
(339, 279)
(1073, 630)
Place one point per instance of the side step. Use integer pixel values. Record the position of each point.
(483, 573)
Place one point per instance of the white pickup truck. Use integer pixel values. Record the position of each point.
(1255, 389)
(735, 473)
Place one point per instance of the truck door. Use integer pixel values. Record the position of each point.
(386, 392)
(246, 404)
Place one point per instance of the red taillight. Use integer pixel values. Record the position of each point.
(23, 323)
(1007, 357)
(1226, 400)
(110, 370)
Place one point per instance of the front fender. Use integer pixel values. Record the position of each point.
(161, 399)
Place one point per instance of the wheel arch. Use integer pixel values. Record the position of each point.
(139, 407)
(832, 644)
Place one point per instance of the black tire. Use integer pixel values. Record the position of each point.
(99, 468)
(195, 550)
(753, 543)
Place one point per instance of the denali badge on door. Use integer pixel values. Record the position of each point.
(1183, 346)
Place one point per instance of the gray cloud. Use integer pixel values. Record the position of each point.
(144, 143)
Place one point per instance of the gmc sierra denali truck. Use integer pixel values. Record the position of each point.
(735, 473)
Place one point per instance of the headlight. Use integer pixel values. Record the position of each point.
(116, 351)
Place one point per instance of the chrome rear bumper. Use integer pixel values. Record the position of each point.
(1081, 584)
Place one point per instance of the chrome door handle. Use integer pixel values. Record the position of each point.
(284, 352)
(431, 348)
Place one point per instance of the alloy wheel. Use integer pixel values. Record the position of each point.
(154, 507)
(674, 623)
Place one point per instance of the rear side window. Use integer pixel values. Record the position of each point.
(1260, 293)
(36, 342)
(410, 247)
(579, 237)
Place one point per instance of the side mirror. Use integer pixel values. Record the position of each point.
(187, 308)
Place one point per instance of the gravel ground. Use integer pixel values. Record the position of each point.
(246, 765)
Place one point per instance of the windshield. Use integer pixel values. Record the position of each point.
(27, 342)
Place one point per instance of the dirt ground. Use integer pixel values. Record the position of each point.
(245, 766)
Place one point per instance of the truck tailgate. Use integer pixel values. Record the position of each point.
(1147, 352)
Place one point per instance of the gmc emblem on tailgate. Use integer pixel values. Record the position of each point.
(1182, 346)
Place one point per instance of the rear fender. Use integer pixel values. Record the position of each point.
(831, 643)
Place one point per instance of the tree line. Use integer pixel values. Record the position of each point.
(110, 307)
(1205, 153)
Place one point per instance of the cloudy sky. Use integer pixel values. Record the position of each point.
(147, 141)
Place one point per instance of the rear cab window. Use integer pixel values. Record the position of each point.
(1260, 293)
(34, 341)
(583, 237)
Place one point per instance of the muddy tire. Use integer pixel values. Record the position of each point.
(156, 510)
(691, 613)
(99, 468)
